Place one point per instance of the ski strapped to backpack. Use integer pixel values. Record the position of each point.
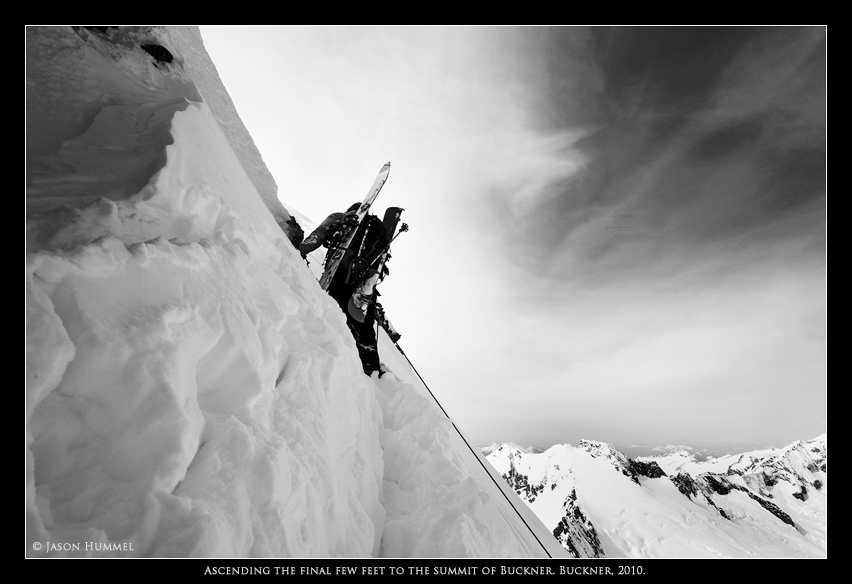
(335, 254)
(368, 267)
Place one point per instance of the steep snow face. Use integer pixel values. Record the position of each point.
(440, 502)
(763, 504)
(191, 390)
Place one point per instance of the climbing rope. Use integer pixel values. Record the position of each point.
(413, 368)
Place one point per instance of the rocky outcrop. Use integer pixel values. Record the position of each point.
(520, 484)
(576, 533)
(685, 484)
(717, 484)
(651, 470)
(771, 507)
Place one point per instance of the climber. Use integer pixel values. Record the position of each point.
(323, 234)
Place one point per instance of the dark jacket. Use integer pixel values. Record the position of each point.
(326, 230)
(321, 234)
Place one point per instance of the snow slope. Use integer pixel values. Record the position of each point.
(431, 467)
(190, 390)
(764, 504)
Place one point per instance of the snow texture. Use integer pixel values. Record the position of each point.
(190, 389)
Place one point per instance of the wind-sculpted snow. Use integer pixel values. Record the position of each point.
(190, 389)
(764, 504)
(167, 430)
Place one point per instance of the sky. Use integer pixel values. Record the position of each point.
(616, 233)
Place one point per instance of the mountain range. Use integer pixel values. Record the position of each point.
(599, 502)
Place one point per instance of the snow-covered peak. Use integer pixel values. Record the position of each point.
(800, 465)
(602, 449)
(620, 461)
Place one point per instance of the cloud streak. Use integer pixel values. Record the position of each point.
(669, 172)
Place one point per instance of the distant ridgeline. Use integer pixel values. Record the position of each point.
(774, 495)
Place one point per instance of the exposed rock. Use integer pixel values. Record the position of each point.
(159, 52)
(648, 469)
(576, 533)
(630, 468)
(520, 483)
(685, 484)
(802, 495)
(771, 507)
(717, 484)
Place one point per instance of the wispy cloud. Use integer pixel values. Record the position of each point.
(607, 224)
